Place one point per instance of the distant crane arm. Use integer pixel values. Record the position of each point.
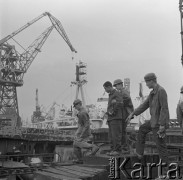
(58, 26)
(22, 28)
(29, 55)
(13, 65)
(55, 22)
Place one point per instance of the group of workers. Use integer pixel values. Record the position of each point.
(120, 111)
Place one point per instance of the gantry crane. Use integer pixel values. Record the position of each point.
(14, 65)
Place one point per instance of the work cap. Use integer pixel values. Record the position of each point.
(181, 89)
(76, 102)
(117, 81)
(149, 76)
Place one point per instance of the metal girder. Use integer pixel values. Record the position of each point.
(58, 26)
(13, 66)
(31, 52)
(22, 28)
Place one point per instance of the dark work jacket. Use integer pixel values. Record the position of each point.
(127, 103)
(83, 130)
(157, 102)
(114, 110)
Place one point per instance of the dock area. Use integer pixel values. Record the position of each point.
(98, 167)
(11, 170)
(72, 172)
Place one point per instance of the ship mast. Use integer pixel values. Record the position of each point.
(80, 81)
(127, 84)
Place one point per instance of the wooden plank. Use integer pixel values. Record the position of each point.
(12, 164)
(98, 159)
(76, 172)
(41, 175)
(69, 163)
(100, 173)
(93, 166)
(90, 169)
(66, 174)
(97, 173)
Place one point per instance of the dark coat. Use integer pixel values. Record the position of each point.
(158, 104)
(127, 104)
(114, 108)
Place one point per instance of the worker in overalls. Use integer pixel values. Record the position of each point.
(114, 119)
(127, 109)
(158, 104)
(83, 133)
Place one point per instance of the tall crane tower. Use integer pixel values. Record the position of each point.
(13, 65)
(181, 20)
(80, 80)
(37, 114)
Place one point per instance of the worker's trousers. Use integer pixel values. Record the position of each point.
(160, 142)
(124, 135)
(78, 146)
(115, 132)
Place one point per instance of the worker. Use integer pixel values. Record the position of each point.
(114, 119)
(180, 109)
(83, 133)
(127, 109)
(157, 102)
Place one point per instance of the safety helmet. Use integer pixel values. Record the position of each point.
(76, 102)
(117, 81)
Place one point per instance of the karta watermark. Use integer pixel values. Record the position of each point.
(120, 166)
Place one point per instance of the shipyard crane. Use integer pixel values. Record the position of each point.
(14, 65)
(181, 21)
(37, 114)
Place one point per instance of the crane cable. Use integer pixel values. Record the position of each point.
(88, 96)
(19, 44)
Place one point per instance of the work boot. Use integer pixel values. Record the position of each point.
(125, 151)
(114, 153)
(94, 150)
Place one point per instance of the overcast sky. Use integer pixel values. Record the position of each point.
(115, 38)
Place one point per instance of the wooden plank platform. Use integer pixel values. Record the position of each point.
(94, 168)
(129, 166)
(72, 172)
(42, 175)
(12, 164)
(97, 167)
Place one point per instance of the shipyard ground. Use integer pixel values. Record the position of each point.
(96, 167)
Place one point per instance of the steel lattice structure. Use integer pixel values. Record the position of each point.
(14, 65)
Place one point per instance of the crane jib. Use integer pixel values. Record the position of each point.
(56, 23)
(13, 65)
